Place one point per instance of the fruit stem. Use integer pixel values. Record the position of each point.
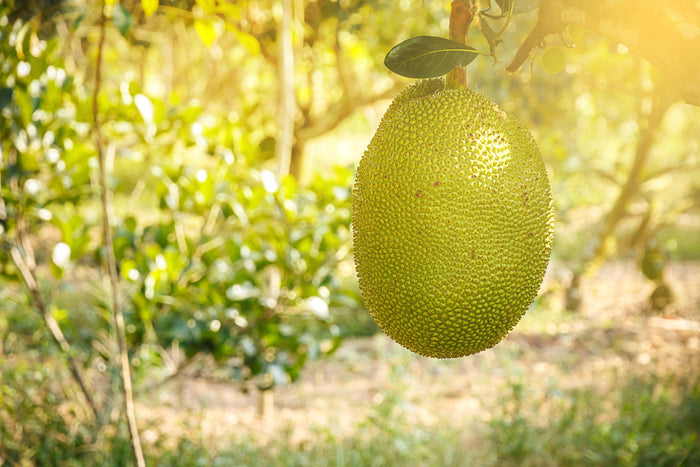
(460, 19)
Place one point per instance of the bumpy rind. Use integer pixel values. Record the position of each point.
(452, 221)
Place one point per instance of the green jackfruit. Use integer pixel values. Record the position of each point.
(452, 221)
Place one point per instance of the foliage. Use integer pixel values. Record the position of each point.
(649, 421)
(216, 256)
(240, 266)
(645, 420)
(432, 56)
(428, 57)
(41, 419)
(587, 122)
(43, 152)
(370, 444)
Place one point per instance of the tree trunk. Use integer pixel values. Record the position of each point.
(297, 164)
(285, 116)
(649, 127)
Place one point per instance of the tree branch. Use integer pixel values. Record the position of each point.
(26, 266)
(661, 103)
(285, 89)
(59, 338)
(460, 19)
(667, 34)
(111, 260)
(342, 110)
(548, 23)
(350, 101)
(677, 168)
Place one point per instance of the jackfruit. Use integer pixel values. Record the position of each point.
(452, 221)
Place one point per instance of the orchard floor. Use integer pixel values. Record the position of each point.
(549, 353)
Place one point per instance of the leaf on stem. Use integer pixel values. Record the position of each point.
(428, 57)
(515, 8)
(206, 31)
(554, 60)
(149, 7)
(122, 20)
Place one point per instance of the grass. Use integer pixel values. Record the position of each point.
(645, 422)
(639, 420)
(570, 411)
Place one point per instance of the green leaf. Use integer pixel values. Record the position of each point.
(205, 30)
(519, 6)
(149, 7)
(428, 57)
(60, 314)
(505, 5)
(554, 60)
(231, 11)
(575, 32)
(24, 102)
(209, 6)
(248, 41)
(56, 271)
(78, 20)
(122, 20)
(5, 97)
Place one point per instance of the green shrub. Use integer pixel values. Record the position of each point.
(649, 421)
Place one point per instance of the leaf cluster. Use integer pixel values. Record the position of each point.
(216, 254)
(431, 56)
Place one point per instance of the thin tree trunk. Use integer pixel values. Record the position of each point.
(59, 338)
(22, 255)
(296, 166)
(117, 314)
(630, 189)
(287, 103)
(649, 126)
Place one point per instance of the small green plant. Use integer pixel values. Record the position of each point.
(649, 421)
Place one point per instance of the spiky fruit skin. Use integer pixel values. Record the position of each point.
(452, 221)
